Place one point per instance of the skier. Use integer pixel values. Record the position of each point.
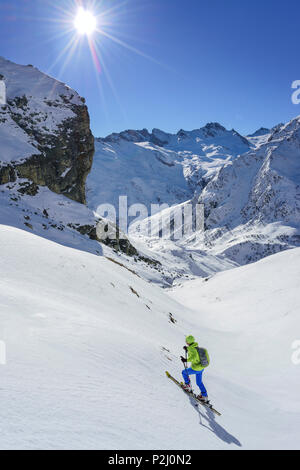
(197, 368)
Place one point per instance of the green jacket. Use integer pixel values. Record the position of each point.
(193, 357)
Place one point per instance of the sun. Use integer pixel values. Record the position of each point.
(85, 22)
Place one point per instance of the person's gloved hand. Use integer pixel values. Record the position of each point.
(183, 359)
(185, 348)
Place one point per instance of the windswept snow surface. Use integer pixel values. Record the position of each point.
(86, 364)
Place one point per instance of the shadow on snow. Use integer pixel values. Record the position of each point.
(213, 426)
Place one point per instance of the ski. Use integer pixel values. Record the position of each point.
(206, 405)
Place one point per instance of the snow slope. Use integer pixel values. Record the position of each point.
(143, 172)
(86, 363)
(61, 220)
(27, 80)
(48, 215)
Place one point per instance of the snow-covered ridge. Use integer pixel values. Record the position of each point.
(44, 130)
(253, 203)
(32, 95)
(183, 138)
(259, 186)
(260, 132)
(158, 167)
(29, 81)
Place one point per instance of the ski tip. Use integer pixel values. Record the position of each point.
(168, 374)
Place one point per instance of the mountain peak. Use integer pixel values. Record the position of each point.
(260, 132)
(214, 125)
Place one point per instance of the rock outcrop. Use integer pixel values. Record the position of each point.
(44, 132)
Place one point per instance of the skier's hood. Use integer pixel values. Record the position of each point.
(190, 339)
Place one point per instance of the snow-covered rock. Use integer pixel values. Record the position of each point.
(44, 132)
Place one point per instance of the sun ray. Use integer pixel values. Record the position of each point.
(63, 52)
(94, 53)
(64, 11)
(102, 94)
(69, 56)
(69, 45)
(133, 49)
(109, 11)
(91, 24)
(109, 79)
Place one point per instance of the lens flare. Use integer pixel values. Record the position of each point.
(85, 22)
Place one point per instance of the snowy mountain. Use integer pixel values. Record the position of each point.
(160, 168)
(251, 209)
(157, 167)
(88, 343)
(260, 132)
(253, 203)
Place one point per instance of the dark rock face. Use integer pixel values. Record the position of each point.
(71, 151)
(64, 159)
(44, 131)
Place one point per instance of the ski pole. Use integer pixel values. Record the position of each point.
(185, 348)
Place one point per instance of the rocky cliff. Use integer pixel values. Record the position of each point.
(44, 132)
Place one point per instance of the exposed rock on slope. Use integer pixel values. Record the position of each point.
(44, 132)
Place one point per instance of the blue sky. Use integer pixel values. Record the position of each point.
(185, 63)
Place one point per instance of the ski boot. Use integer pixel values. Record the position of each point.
(202, 398)
(187, 387)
